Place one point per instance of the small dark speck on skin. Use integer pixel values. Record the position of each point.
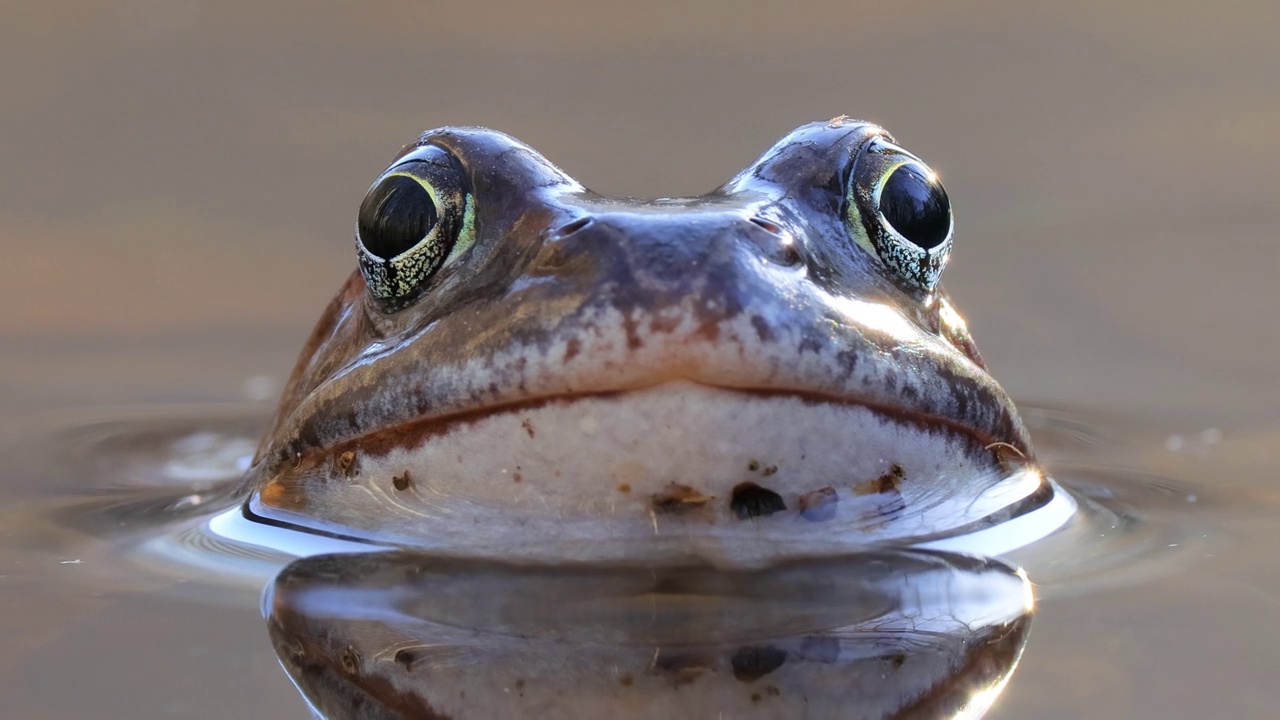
(751, 663)
(347, 463)
(1009, 457)
(572, 348)
(819, 505)
(749, 500)
(624, 488)
(519, 684)
(351, 660)
(517, 476)
(625, 679)
(682, 668)
(677, 499)
(664, 325)
(633, 338)
(405, 658)
(753, 465)
(401, 482)
(770, 470)
(762, 328)
(887, 482)
(528, 427)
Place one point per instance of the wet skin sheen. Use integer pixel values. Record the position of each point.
(521, 367)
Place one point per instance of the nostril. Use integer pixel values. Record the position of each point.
(768, 226)
(573, 227)
(780, 246)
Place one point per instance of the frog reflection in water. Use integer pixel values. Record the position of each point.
(521, 367)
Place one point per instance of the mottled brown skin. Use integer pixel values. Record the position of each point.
(550, 254)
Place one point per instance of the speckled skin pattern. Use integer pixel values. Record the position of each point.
(661, 344)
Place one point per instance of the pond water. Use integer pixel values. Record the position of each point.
(180, 182)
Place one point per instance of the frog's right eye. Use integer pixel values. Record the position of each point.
(899, 212)
(415, 220)
(397, 214)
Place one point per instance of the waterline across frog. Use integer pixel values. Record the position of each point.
(524, 368)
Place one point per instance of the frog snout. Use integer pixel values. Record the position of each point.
(650, 261)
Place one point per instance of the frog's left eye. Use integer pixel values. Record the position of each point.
(899, 211)
(416, 218)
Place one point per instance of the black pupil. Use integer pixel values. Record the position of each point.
(916, 207)
(395, 216)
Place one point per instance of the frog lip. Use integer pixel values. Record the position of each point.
(415, 431)
(601, 464)
(992, 441)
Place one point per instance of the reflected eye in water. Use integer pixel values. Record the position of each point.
(888, 633)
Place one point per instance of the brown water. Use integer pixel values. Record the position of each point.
(179, 183)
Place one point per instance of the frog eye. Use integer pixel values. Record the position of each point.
(416, 219)
(899, 211)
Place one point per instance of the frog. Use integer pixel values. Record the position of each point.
(521, 368)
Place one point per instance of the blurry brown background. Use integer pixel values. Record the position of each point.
(178, 168)
(179, 180)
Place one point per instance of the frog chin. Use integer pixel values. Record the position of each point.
(675, 465)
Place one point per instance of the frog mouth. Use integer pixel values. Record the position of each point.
(683, 402)
(563, 421)
(417, 431)
(679, 460)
